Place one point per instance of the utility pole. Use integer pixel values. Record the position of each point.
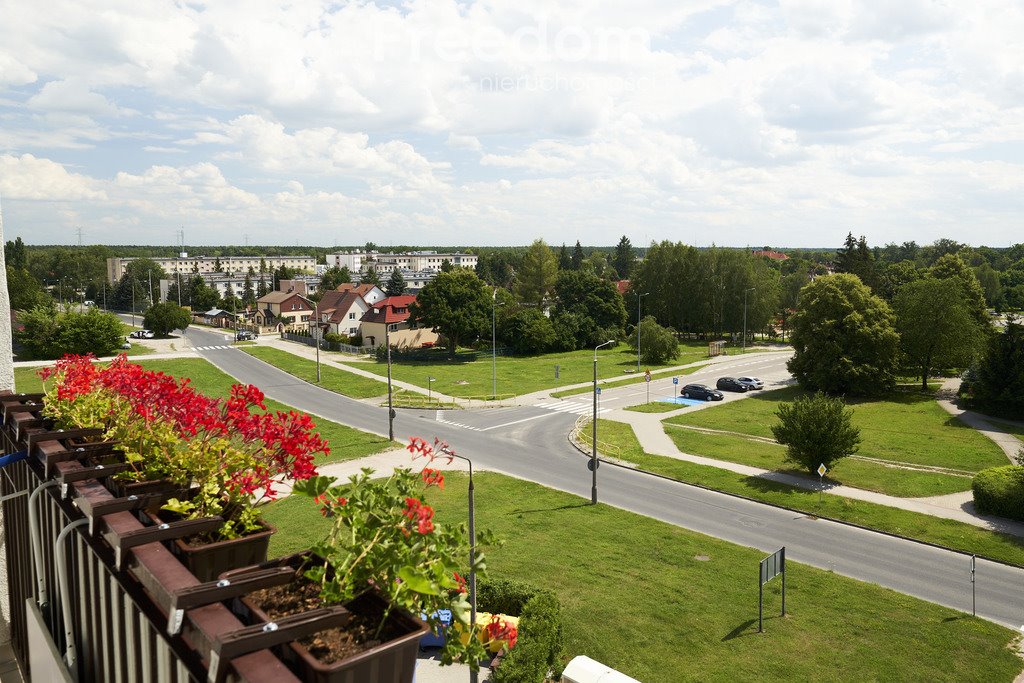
(751, 289)
(391, 407)
(638, 299)
(593, 453)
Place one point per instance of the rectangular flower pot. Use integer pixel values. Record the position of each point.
(391, 662)
(207, 561)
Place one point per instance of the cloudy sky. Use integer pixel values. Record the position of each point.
(786, 123)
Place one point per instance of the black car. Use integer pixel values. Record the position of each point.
(702, 392)
(245, 335)
(732, 384)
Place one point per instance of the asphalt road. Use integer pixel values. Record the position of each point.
(536, 449)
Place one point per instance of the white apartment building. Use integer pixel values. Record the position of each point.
(413, 261)
(220, 282)
(229, 265)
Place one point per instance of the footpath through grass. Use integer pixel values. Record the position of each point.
(907, 428)
(664, 604)
(346, 443)
(339, 381)
(521, 375)
(944, 532)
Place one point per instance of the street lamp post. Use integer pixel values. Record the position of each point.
(751, 289)
(133, 302)
(430, 381)
(151, 302)
(638, 298)
(391, 408)
(593, 455)
(494, 349)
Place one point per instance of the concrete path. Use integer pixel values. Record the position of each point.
(958, 506)
(1009, 443)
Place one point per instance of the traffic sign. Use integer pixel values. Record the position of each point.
(675, 380)
(822, 470)
(647, 376)
(599, 391)
(593, 464)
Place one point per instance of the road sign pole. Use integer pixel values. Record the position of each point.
(974, 599)
(760, 602)
(783, 580)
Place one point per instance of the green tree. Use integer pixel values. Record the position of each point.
(333, 277)
(564, 260)
(936, 327)
(15, 255)
(844, 338)
(25, 291)
(952, 267)
(816, 430)
(526, 331)
(537, 274)
(988, 278)
(49, 335)
(624, 258)
(456, 305)
(370, 277)
(201, 296)
(248, 292)
(229, 301)
(216, 265)
(577, 256)
(999, 388)
(893, 276)
(857, 259)
(658, 344)
(163, 317)
(396, 284)
(446, 265)
(593, 299)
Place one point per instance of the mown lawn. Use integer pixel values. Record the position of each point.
(949, 533)
(522, 375)
(907, 427)
(635, 597)
(331, 378)
(345, 442)
(655, 407)
(635, 379)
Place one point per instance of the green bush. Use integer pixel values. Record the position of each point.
(336, 338)
(1000, 491)
(539, 646)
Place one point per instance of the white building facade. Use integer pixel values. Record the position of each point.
(229, 265)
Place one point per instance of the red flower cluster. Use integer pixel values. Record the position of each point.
(421, 513)
(499, 629)
(432, 477)
(277, 443)
(460, 581)
(328, 504)
(420, 448)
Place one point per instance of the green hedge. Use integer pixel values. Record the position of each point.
(538, 649)
(1000, 491)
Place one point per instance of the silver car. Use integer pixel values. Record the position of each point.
(751, 382)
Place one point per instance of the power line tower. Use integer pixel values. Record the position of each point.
(80, 230)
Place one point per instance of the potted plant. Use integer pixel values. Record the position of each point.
(384, 540)
(225, 454)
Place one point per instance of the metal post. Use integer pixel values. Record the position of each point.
(37, 540)
(473, 675)
(745, 316)
(974, 599)
(103, 285)
(593, 454)
(60, 559)
(494, 350)
(783, 580)
(151, 301)
(133, 302)
(638, 298)
(391, 408)
(760, 601)
(318, 332)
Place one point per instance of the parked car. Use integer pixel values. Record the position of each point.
(245, 335)
(142, 334)
(701, 391)
(751, 382)
(732, 384)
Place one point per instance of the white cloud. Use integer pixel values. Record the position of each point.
(28, 177)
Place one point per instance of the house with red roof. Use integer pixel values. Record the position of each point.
(341, 312)
(770, 254)
(371, 293)
(392, 315)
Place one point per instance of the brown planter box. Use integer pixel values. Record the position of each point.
(207, 561)
(390, 662)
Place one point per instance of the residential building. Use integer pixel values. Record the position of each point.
(341, 312)
(371, 293)
(413, 261)
(185, 264)
(770, 254)
(284, 310)
(216, 317)
(392, 314)
(221, 281)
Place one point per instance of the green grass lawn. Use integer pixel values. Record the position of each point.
(635, 597)
(1016, 430)
(635, 379)
(945, 532)
(907, 427)
(346, 443)
(522, 375)
(850, 471)
(345, 383)
(655, 407)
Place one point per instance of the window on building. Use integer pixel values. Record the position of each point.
(351, 316)
(393, 327)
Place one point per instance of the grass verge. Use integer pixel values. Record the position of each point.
(655, 407)
(655, 609)
(635, 379)
(339, 381)
(944, 532)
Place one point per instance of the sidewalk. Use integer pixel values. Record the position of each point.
(1009, 443)
(957, 506)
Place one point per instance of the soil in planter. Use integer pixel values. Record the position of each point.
(332, 645)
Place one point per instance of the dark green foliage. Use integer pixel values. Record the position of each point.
(855, 258)
(248, 291)
(456, 304)
(844, 338)
(333, 277)
(952, 267)
(586, 295)
(446, 266)
(658, 344)
(396, 284)
(163, 317)
(816, 430)
(47, 334)
(1000, 491)
(540, 643)
(999, 385)
(576, 262)
(564, 260)
(526, 331)
(14, 254)
(370, 277)
(624, 258)
(894, 275)
(25, 291)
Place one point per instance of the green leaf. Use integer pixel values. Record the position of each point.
(314, 486)
(417, 582)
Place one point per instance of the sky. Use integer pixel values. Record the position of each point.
(787, 123)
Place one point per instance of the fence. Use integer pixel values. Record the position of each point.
(326, 345)
(77, 612)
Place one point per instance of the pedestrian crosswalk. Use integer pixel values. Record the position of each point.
(574, 407)
(458, 424)
(212, 348)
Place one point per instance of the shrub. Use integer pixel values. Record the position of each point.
(1000, 491)
(816, 429)
(335, 338)
(657, 344)
(539, 647)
